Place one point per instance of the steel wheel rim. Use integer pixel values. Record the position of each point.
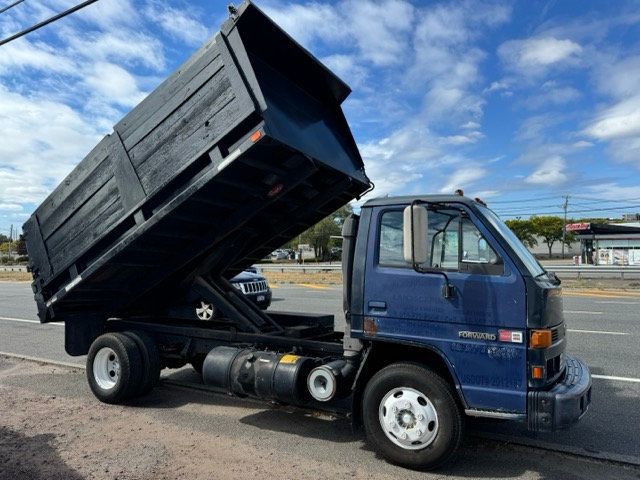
(408, 418)
(204, 311)
(106, 368)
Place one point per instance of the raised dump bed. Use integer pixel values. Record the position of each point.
(240, 149)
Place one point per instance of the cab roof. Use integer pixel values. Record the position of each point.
(407, 199)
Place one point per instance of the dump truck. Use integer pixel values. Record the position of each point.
(446, 314)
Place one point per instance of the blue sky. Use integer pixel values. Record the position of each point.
(516, 102)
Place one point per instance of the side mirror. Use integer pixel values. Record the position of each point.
(415, 225)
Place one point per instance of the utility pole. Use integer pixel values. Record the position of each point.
(565, 206)
(10, 242)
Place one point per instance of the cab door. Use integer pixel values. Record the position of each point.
(403, 305)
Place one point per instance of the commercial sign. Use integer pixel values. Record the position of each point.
(576, 227)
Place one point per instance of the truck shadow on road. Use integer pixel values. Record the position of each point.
(31, 458)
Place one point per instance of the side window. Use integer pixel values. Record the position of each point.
(390, 251)
(477, 254)
(443, 239)
(454, 244)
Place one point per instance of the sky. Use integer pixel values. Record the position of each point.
(519, 103)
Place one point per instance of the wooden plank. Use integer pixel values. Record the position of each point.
(90, 175)
(175, 145)
(166, 106)
(189, 69)
(129, 186)
(85, 227)
(37, 250)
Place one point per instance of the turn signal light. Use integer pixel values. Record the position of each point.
(537, 373)
(540, 339)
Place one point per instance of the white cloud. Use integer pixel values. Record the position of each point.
(550, 172)
(41, 142)
(535, 55)
(463, 177)
(178, 23)
(551, 95)
(347, 68)
(114, 84)
(622, 120)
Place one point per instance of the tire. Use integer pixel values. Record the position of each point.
(428, 421)
(150, 360)
(114, 368)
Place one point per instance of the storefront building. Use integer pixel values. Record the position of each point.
(607, 244)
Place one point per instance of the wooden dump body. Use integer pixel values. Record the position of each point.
(239, 150)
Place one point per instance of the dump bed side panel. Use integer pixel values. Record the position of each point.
(241, 149)
(163, 136)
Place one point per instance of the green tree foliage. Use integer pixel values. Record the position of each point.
(319, 236)
(3, 238)
(549, 229)
(523, 229)
(21, 246)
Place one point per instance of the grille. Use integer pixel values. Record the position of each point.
(252, 287)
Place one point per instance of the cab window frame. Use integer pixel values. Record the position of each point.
(496, 269)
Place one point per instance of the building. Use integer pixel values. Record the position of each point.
(607, 244)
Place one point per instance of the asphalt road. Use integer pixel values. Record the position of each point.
(603, 331)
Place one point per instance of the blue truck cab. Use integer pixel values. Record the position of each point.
(443, 279)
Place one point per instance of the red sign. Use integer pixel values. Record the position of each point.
(576, 227)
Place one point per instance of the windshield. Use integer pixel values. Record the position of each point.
(523, 253)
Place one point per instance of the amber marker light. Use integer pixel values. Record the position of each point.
(540, 339)
(537, 373)
(255, 136)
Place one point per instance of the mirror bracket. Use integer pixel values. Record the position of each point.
(447, 288)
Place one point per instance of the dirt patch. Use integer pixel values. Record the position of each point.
(15, 277)
(320, 278)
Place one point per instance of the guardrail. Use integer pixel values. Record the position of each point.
(595, 271)
(13, 268)
(300, 268)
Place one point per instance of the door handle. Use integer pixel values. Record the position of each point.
(378, 305)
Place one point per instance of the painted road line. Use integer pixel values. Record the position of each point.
(601, 332)
(600, 294)
(583, 312)
(313, 285)
(616, 379)
(25, 320)
(616, 302)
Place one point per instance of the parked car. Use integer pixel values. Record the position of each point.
(251, 283)
(280, 255)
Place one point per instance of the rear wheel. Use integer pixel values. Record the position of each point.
(150, 360)
(114, 368)
(411, 416)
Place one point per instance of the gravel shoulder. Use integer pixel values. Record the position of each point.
(52, 428)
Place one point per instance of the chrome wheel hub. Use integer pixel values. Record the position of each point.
(106, 368)
(408, 418)
(204, 310)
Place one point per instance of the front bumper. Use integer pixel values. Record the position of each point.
(565, 403)
(262, 299)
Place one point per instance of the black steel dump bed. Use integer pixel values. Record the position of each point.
(239, 150)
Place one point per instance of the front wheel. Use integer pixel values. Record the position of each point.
(411, 416)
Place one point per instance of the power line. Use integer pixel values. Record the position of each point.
(47, 21)
(524, 200)
(606, 209)
(4, 9)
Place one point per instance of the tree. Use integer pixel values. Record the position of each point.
(549, 228)
(3, 238)
(319, 236)
(523, 229)
(21, 246)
